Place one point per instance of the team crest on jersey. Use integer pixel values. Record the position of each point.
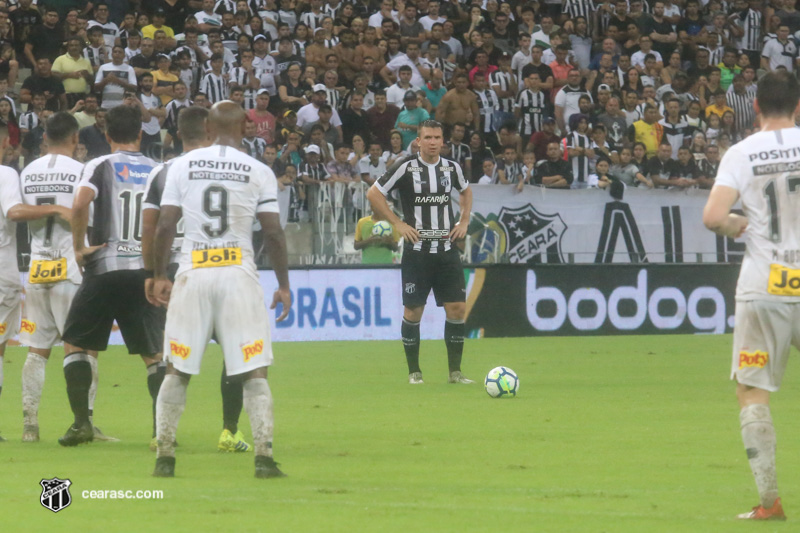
(444, 181)
(129, 173)
(55, 494)
(532, 237)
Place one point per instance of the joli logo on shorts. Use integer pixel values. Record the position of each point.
(753, 360)
(28, 327)
(783, 281)
(179, 350)
(216, 257)
(252, 350)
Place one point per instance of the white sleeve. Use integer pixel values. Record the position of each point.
(732, 170)
(99, 76)
(268, 193)
(9, 189)
(172, 193)
(561, 99)
(335, 120)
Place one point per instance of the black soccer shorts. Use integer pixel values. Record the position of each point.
(117, 295)
(442, 272)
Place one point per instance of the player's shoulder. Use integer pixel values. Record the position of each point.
(447, 164)
(7, 173)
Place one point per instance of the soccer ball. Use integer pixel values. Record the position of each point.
(382, 229)
(501, 382)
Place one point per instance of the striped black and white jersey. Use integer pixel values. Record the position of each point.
(333, 97)
(28, 120)
(288, 17)
(743, 111)
(488, 103)
(715, 55)
(750, 22)
(226, 67)
(254, 147)
(513, 171)
(172, 108)
(273, 49)
(118, 181)
(97, 56)
(110, 31)
(579, 8)
(676, 134)
(425, 195)
(312, 20)
(300, 48)
(315, 172)
(460, 153)
(214, 87)
(225, 6)
(152, 200)
(532, 108)
(504, 80)
(329, 43)
(332, 11)
(229, 38)
(239, 76)
(123, 35)
(580, 163)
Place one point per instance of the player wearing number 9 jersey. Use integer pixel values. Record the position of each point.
(763, 171)
(112, 287)
(220, 192)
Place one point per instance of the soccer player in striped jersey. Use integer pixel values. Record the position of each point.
(430, 257)
(531, 107)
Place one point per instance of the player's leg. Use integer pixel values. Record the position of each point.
(242, 327)
(10, 317)
(450, 291)
(761, 348)
(189, 323)
(231, 439)
(86, 329)
(33, 372)
(417, 278)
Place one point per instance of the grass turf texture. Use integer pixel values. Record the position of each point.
(607, 434)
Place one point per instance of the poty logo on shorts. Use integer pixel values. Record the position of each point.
(28, 326)
(2, 328)
(756, 359)
(179, 350)
(252, 350)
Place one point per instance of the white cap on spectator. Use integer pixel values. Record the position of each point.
(260, 37)
(263, 91)
(319, 88)
(312, 149)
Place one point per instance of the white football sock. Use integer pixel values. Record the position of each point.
(169, 408)
(758, 435)
(93, 387)
(32, 385)
(258, 404)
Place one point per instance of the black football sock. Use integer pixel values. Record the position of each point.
(409, 332)
(454, 340)
(232, 398)
(78, 374)
(155, 376)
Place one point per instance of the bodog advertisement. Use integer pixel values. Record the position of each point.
(513, 301)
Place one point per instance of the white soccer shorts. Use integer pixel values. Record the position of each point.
(10, 313)
(46, 308)
(225, 301)
(764, 333)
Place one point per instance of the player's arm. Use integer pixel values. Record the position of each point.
(459, 231)
(275, 241)
(377, 198)
(166, 229)
(23, 212)
(717, 214)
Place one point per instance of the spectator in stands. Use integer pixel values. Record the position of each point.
(381, 119)
(647, 131)
(114, 79)
(264, 121)
(553, 172)
(43, 81)
(659, 167)
(24, 20)
(75, 72)
(94, 137)
(395, 151)
(145, 60)
(31, 118)
(459, 104)
(567, 99)
(354, 120)
(409, 118)
(86, 110)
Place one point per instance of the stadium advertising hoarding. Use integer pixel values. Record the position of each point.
(541, 225)
(513, 301)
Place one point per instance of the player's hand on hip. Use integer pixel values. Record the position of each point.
(82, 255)
(410, 234)
(737, 225)
(162, 290)
(65, 214)
(282, 296)
(459, 231)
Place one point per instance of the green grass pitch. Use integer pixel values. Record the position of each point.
(612, 434)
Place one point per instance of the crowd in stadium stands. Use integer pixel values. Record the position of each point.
(557, 93)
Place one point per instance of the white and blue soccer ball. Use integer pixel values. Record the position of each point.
(501, 382)
(382, 229)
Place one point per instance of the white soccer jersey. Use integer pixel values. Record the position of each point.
(220, 190)
(51, 180)
(9, 197)
(764, 170)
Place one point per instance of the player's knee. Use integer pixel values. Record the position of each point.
(255, 374)
(413, 314)
(455, 310)
(748, 395)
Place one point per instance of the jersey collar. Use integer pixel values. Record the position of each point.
(429, 164)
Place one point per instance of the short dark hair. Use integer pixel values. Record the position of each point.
(123, 124)
(778, 94)
(192, 123)
(430, 123)
(60, 127)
